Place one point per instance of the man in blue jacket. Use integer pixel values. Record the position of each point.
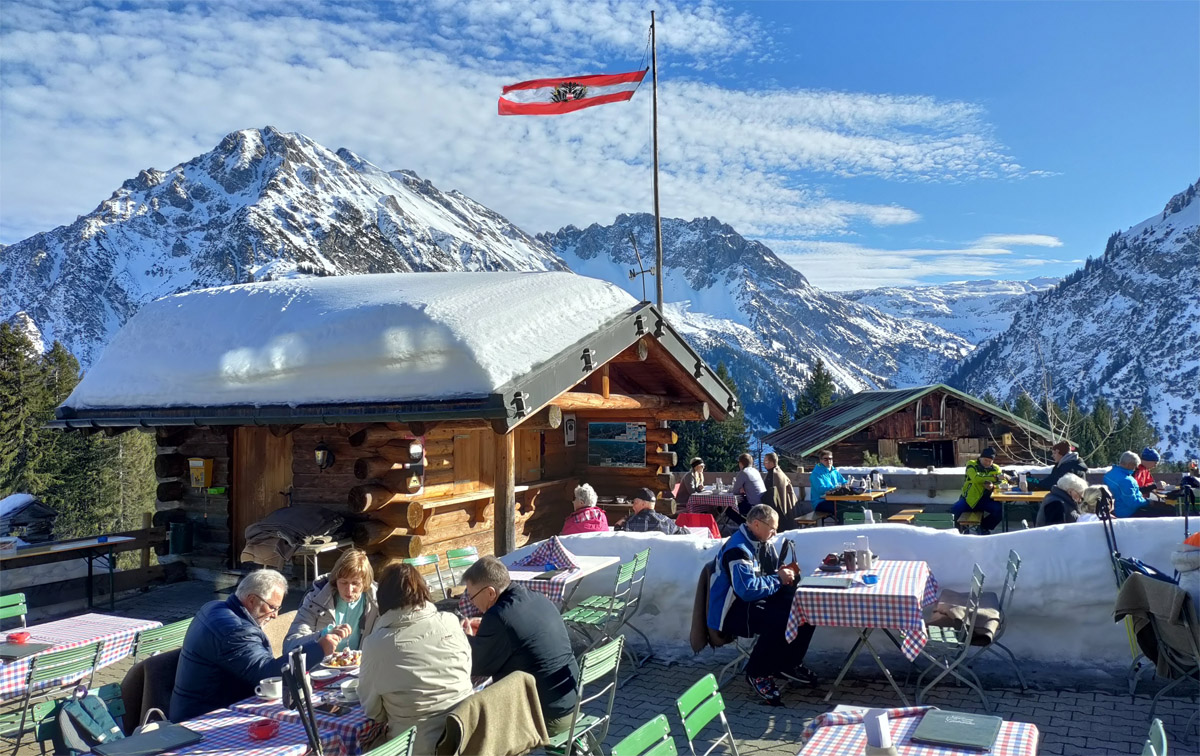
(751, 594)
(824, 478)
(1128, 500)
(226, 654)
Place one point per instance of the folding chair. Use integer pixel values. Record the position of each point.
(159, 639)
(595, 665)
(949, 647)
(629, 607)
(401, 745)
(701, 704)
(66, 665)
(45, 716)
(602, 620)
(13, 605)
(435, 560)
(1156, 743)
(744, 646)
(651, 739)
(1183, 662)
(969, 522)
(1003, 601)
(460, 559)
(936, 520)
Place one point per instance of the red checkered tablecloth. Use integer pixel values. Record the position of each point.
(895, 602)
(118, 634)
(227, 733)
(710, 503)
(840, 733)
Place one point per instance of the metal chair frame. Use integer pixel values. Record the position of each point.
(13, 605)
(159, 639)
(745, 647)
(651, 739)
(1156, 741)
(700, 705)
(401, 745)
(593, 666)
(47, 667)
(1005, 600)
(598, 618)
(1185, 664)
(956, 644)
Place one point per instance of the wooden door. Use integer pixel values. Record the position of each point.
(888, 448)
(261, 468)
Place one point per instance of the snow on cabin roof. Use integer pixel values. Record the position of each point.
(13, 502)
(346, 339)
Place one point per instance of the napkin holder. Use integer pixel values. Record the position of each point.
(877, 751)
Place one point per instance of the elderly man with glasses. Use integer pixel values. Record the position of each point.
(521, 630)
(226, 654)
(823, 479)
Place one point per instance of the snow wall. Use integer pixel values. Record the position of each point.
(1062, 609)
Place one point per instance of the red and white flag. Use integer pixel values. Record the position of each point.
(568, 93)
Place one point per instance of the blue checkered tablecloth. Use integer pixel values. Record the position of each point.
(841, 733)
(118, 634)
(554, 589)
(347, 735)
(895, 602)
(710, 503)
(227, 733)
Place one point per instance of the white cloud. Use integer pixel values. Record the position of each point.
(1018, 240)
(93, 95)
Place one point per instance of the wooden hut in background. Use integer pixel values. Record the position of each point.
(923, 426)
(474, 431)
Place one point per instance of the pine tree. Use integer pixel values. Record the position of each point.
(718, 443)
(1026, 409)
(1140, 432)
(785, 416)
(818, 392)
(1105, 425)
(1081, 431)
(22, 410)
(990, 398)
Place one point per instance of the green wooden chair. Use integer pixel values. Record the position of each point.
(45, 716)
(595, 666)
(600, 623)
(47, 672)
(159, 639)
(435, 560)
(458, 560)
(854, 518)
(401, 745)
(1156, 743)
(948, 648)
(651, 739)
(1003, 602)
(936, 520)
(13, 605)
(629, 607)
(700, 705)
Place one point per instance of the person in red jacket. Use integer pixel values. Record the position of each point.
(1142, 474)
(587, 517)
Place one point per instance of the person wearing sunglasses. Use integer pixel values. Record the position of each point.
(823, 479)
(226, 653)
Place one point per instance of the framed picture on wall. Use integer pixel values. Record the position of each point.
(616, 444)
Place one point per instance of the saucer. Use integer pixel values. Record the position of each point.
(264, 699)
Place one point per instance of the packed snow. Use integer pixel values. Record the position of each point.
(1062, 610)
(377, 338)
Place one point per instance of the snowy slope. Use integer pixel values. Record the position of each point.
(737, 302)
(1125, 327)
(262, 205)
(975, 310)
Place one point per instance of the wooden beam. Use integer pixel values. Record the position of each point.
(549, 418)
(605, 387)
(680, 411)
(661, 459)
(636, 353)
(505, 535)
(581, 401)
(401, 546)
(279, 431)
(661, 436)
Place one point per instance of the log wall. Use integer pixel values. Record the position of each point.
(177, 501)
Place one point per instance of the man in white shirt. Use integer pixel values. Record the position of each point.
(748, 486)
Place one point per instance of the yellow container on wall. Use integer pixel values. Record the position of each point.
(200, 472)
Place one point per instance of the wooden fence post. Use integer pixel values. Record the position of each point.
(147, 523)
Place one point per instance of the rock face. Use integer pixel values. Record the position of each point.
(1126, 327)
(262, 205)
(739, 303)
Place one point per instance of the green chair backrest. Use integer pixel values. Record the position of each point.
(594, 666)
(428, 559)
(461, 559)
(937, 520)
(651, 739)
(401, 745)
(854, 518)
(1010, 580)
(159, 639)
(968, 628)
(13, 605)
(58, 665)
(700, 705)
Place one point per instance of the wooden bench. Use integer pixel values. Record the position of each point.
(906, 515)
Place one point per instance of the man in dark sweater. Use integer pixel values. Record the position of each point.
(521, 630)
(1065, 461)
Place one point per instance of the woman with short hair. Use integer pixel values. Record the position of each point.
(340, 603)
(1062, 503)
(416, 666)
(587, 517)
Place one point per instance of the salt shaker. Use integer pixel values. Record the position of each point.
(863, 547)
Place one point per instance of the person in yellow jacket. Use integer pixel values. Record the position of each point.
(982, 477)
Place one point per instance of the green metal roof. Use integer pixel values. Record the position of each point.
(846, 417)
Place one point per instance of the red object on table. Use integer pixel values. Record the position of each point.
(263, 729)
(698, 520)
(18, 637)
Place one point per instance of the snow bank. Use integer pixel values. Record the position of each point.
(374, 338)
(1062, 610)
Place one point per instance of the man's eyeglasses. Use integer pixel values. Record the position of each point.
(826, 459)
(471, 598)
(273, 609)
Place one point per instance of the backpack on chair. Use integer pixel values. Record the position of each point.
(85, 722)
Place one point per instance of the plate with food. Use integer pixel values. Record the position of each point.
(345, 660)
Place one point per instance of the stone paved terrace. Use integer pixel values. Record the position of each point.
(1084, 712)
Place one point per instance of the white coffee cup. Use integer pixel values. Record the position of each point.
(349, 689)
(271, 687)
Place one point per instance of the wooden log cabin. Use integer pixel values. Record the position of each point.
(924, 426)
(432, 410)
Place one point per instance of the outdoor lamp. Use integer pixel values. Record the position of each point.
(415, 450)
(324, 456)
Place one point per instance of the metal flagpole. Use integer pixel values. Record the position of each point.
(658, 252)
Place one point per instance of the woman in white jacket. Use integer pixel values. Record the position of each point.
(341, 603)
(416, 666)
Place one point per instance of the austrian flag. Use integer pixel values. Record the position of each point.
(568, 94)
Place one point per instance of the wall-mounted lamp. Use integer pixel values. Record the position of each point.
(324, 457)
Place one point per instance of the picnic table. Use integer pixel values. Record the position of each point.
(558, 589)
(905, 516)
(90, 549)
(227, 733)
(117, 633)
(1005, 497)
(894, 603)
(710, 502)
(862, 497)
(841, 732)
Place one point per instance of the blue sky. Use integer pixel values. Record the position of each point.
(867, 143)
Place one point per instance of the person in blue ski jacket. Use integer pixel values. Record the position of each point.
(1128, 500)
(824, 478)
(751, 594)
